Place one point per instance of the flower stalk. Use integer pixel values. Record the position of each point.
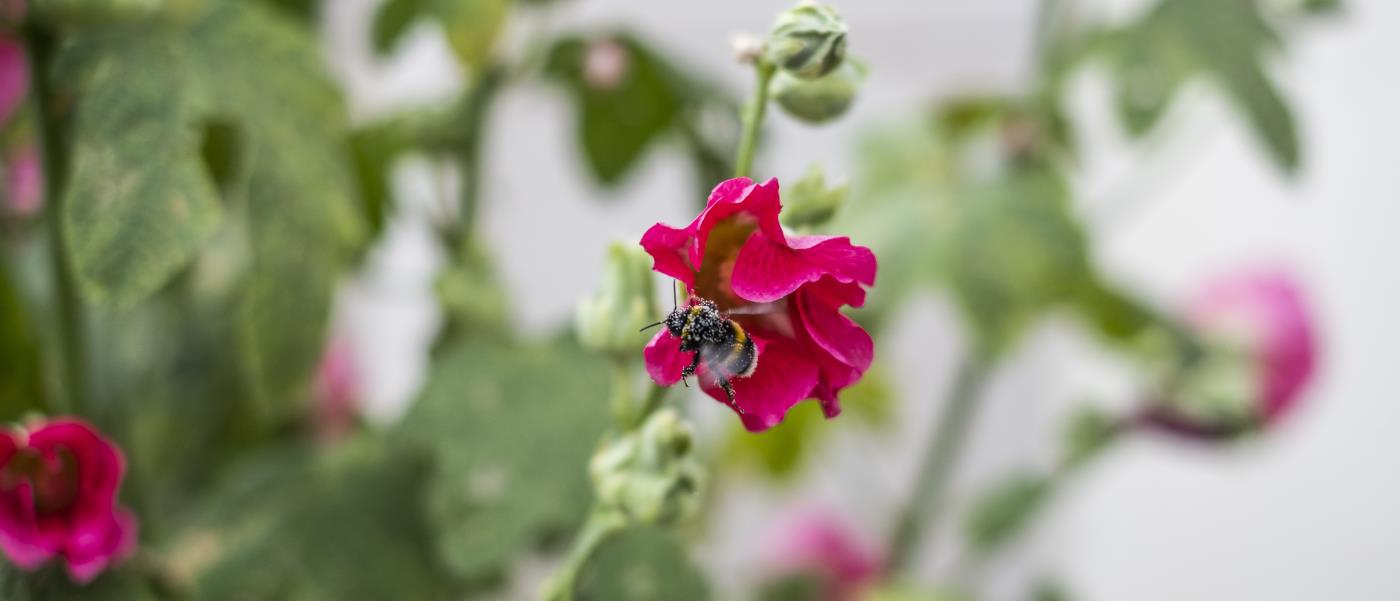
(753, 118)
(919, 518)
(71, 339)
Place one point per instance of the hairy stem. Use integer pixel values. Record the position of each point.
(920, 516)
(72, 341)
(600, 526)
(753, 119)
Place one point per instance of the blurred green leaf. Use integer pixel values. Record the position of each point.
(1049, 591)
(625, 99)
(471, 26)
(1180, 39)
(640, 564)
(1088, 431)
(1006, 509)
(21, 366)
(139, 202)
(393, 20)
(796, 587)
(511, 430)
(301, 210)
(293, 523)
(1013, 251)
(1115, 315)
(108, 12)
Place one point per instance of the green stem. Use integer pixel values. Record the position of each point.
(920, 516)
(39, 47)
(486, 86)
(600, 526)
(753, 118)
(650, 403)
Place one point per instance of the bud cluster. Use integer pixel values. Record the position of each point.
(814, 81)
(650, 475)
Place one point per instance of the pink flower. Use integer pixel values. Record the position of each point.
(23, 182)
(58, 497)
(819, 546)
(1263, 313)
(785, 291)
(14, 76)
(336, 392)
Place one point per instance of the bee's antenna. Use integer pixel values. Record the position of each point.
(651, 326)
(675, 301)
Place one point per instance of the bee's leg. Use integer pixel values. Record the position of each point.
(729, 391)
(689, 370)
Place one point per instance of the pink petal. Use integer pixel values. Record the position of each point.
(836, 334)
(668, 248)
(664, 358)
(766, 270)
(784, 378)
(95, 546)
(817, 541)
(14, 76)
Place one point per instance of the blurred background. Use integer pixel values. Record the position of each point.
(1302, 511)
(1303, 514)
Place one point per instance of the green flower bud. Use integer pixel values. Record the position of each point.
(808, 202)
(650, 475)
(611, 320)
(807, 41)
(818, 100)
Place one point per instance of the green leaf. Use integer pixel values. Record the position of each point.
(1181, 39)
(809, 202)
(617, 120)
(640, 564)
(107, 12)
(511, 430)
(290, 523)
(1088, 431)
(1013, 252)
(1006, 509)
(260, 70)
(140, 202)
(393, 21)
(52, 583)
(21, 367)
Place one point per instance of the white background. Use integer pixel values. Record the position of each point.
(1311, 512)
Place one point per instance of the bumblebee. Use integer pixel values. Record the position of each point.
(721, 343)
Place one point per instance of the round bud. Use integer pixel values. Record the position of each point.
(818, 100)
(649, 475)
(807, 41)
(611, 320)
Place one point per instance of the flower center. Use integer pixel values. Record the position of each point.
(54, 480)
(717, 266)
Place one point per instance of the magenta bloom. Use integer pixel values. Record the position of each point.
(786, 291)
(819, 546)
(14, 76)
(58, 497)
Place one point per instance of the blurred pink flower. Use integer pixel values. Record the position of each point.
(23, 181)
(786, 291)
(1263, 311)
(58, 497)
(336, 392)
(14, 76)
(1267, 308)
(819, 545)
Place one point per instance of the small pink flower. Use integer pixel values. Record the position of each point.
(58, 497)
(605, 63)
(336, 392)
(14, 76)
(820, 546)
(1263, 312)
(24, 186)
(785, 291)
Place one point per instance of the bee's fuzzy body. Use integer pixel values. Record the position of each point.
(726, 349)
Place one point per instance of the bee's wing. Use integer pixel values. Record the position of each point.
(719, 361)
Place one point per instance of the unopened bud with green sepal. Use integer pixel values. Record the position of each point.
(809, 202)
(807, 41)
(611, 320)
(818, 100)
